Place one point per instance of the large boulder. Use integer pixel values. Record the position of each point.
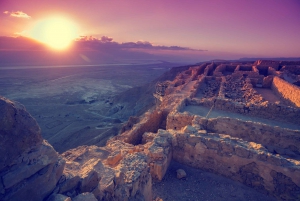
(18, 132)
(29, 166)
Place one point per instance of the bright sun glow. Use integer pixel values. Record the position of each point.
(56, 32)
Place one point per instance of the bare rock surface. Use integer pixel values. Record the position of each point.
(27, 161)
(85, 197)
(17, 128)
(58, 197)
(180, 173)
(118, 171)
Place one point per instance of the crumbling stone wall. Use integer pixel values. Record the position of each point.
(278, 140)
(208, 87)
(199, 70)
(270, 63)
(239, 89)
(294, 69)
(150, 122)
(209, 69)
(266, 110)
(286, 91)
(247, 162)
(178, 120)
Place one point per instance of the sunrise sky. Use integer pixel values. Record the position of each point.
(227, 29)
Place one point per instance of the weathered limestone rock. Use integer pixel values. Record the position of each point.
(31, 162)
(246, 162)
(59, 197)
(82, 170)
(85, 197)
(177, 121)
(180, 173)
(17, 128)
(109, 176)
(160, 153)
(267, 81)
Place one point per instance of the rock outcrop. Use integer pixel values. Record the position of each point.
(29, 166)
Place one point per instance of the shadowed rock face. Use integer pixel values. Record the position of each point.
(18, 131)
(29, 166)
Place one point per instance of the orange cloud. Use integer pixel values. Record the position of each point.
(18, 14)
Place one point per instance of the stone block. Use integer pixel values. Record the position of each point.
(85, 197)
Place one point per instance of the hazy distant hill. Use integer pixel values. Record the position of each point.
(273, 59)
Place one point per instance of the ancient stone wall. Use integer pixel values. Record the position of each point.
(159, 151)
(266, 110)
(247, 162)
(278, 140)
(150, 122)
(286, 91)
(219, 70)
(209, 69)
(118, 171)
(250, 72)
(199, 70)
(294, 69)
(273, 64)
(178, 120)
(272, 71)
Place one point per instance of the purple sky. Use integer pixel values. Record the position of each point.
(226, 28)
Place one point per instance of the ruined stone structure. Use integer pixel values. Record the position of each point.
(238, 120)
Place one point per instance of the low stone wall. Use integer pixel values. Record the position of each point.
(286, 91)
(248, 163)
(209, 69)
(150, 122)
(265, 110)
(294, 69)
(159, 151)
(276, 139)
(199, 70)
(177, 120)
(119, 171)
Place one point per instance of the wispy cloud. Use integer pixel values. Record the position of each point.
(94, 43)
(18, 14)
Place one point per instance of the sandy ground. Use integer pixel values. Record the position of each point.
(204, 186)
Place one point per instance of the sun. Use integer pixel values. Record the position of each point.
(56, 32)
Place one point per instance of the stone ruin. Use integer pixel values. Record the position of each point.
(238, 120)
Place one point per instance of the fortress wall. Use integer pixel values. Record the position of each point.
(209, 69)
(149, 123)
(200, 81)
(265, 110)
(272, 71)
(295, 69)
(219, 70)
(281, 140)
(250, 74)
(199, 70)
(248, 163)
(275, 138)
(267, 81)
(273, 64)
(177, 120)
(286, 91)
